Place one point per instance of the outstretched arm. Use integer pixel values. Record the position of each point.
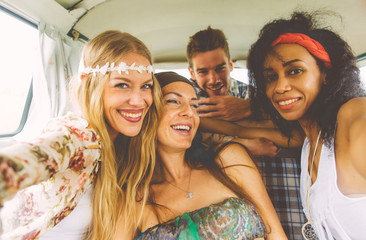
(58, 148)
(232, 129)
(241, 169)
(227, 108)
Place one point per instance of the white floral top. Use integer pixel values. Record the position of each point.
(54, 172)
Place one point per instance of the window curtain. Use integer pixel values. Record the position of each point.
(57, 61)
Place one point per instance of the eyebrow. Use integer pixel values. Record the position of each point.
(292, 61)
(178, 94)
(129, 80)
(220, 65)
(284, 64)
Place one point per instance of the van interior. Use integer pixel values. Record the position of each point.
(42, 42)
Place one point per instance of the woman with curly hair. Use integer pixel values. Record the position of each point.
(306, 77)
(82, 174)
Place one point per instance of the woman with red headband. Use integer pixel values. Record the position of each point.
(306, 78)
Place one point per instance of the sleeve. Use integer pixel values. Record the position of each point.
(56, 149)
(239, 89)
(244, 91)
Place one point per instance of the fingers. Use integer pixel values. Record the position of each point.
(207, 108)
(277, 147)
(262, 147)
(209, 115)
(266, 152)
(208, 100)
(271, 151)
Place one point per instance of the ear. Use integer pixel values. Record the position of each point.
(231, 64)
(83, 76)
(323, 78)
(191, 71)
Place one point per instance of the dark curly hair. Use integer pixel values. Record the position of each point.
(343, 80)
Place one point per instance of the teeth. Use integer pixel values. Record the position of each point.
(131, 115)
(181, 127)
(287, 102)
(215, 88)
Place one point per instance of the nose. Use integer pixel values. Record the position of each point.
(213, 77)
(282, 85)
(187, 110)
(137, 97)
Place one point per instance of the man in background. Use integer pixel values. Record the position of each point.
(222, 97)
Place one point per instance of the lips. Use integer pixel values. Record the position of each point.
(216, 89)
(286, 104)
(132, 115)
(183, 129)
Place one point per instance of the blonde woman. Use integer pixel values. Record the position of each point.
(99, 157)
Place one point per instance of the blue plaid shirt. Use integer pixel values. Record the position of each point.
(281, 174)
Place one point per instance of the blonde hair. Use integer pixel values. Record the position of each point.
(127, 164)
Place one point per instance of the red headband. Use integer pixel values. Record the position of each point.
(313, 46)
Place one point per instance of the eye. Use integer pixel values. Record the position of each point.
(202, 72)
(171, 101)
(122, 85)
(270, 77)
(295, 71)
(147, 86)
(220, 69)
(194, 105)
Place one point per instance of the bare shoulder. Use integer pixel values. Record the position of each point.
(351, 121)
(352, 110)
(234, 154)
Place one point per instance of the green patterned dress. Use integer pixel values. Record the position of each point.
(231, 219)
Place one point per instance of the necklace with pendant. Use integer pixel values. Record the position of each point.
(307, 229)
(188, 193)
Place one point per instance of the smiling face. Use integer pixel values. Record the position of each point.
(293, 80)
(211, 70)
(127, 97)
(179, 120)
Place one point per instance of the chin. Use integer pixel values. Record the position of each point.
(131, 132)
(290, 117)
(182, 146)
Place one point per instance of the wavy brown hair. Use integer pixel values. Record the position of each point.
(206, 40)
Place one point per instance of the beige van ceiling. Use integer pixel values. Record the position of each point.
(165, 25)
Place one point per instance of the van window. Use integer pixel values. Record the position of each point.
(362, 65)
(17, 55)
(363, 75)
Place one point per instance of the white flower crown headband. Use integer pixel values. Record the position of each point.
(122, 67)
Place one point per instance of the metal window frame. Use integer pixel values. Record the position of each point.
(361, 57)
(30, 91)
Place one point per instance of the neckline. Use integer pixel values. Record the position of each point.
(307, 152)
(328, 150)
(192, 212)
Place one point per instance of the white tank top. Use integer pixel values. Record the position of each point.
(335, 215)
(75, 224)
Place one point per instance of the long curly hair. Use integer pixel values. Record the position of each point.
(127, 164)
(342, 79)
